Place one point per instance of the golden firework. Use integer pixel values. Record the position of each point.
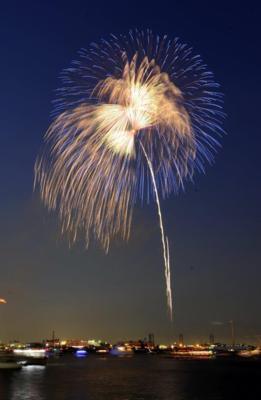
(136, 117)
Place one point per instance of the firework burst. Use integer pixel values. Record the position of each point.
(136, 116)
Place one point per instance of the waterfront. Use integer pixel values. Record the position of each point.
(143, 377)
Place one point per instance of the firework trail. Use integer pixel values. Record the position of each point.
(164, 239)
(136, 116)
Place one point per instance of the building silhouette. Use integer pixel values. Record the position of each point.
(211, 339)
(181, 339)
(151, 339)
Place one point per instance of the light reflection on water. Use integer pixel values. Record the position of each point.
(28, 383)
(133, 378)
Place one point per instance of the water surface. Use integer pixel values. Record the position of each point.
(140, 377)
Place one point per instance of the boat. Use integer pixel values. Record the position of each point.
(30, 356)
(192, 352)
(250, 353)
(121, 350)
(102, 350)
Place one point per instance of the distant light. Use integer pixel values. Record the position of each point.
(163, 347)
(81, 353)
(3, 301)
(200, 353)
(94, 342)
(34, 367)
(121, 348)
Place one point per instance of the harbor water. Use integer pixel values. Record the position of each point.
(140, 377)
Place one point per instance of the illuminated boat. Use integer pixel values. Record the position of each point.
(121, 350)
(34, 353)
(250, 353)
(81, 353)
(140, 350)
(192, 352)
(31, 355)
(102, 350)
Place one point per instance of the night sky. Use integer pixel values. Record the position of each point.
(214, 226)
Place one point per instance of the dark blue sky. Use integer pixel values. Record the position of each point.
(214, 227)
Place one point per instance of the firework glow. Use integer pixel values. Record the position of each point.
(136, 116)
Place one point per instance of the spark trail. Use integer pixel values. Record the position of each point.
(164, 238)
